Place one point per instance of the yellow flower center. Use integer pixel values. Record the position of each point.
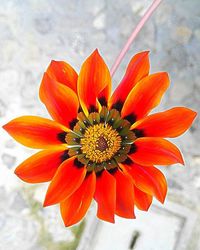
(100, 142)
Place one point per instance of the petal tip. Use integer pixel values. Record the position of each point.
(181, 160)
(165, 75)
(162, 200)
(110, 219)
(17, 172)
(49, 202)
(194, 114)
(146, 52)
(68, 224)
(162, 197)
(8, 127)
(46, 204)
(5, 126)
(96, 52)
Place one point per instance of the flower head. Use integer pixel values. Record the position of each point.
(99, 145)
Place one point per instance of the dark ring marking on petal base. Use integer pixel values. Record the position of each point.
(131, 118)
(128, 161)
(78, 164)
(119, 129)
(112, 170)
(99, 173)
(138, 132)
(103, 101)
(73, 123)
(62, 137)
(65, 156)
(86, 123)
(82, 130)
(118, 105)
(75, 139)
(92, 109)
(133, 149)
(80, 109)
(111, 121)
(87, 174)
(102, 119)
(78, 151)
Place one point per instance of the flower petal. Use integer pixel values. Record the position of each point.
(124, 195)
(63, 73)
(74, 208)
(145, 96)
(42, 166)
(105, 196)
(155, 151)
(170, 123)
(35, 132)
(66, 181)
(137, 69)
(148, 179)
(142, 200)
(61, 101)
(94, 82)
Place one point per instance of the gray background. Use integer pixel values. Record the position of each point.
(32, 33)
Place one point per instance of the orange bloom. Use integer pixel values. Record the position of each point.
(101, 146)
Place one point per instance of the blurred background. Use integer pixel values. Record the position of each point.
(32, 33)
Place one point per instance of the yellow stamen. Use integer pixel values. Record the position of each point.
(100, 143)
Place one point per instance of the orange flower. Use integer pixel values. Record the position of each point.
(101, 146)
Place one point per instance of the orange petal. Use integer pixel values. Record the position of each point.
(60, 101)
(155, 151)
(66, 181)
(142, 200)
(170, 123)
(124, 195)
(41, 167)
(94, 82)
(75, 207)
(137, 69)
(148, 179)
(145, 96)
(63, 73)
(105, 196)
(35, 132)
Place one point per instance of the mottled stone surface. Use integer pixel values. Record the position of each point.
(33, 33)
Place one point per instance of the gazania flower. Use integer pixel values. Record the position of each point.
(99, 145)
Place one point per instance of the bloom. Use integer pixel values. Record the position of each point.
(101, 145)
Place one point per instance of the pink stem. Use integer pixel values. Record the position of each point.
(135, 32)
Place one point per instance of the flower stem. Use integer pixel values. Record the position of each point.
(135, 32)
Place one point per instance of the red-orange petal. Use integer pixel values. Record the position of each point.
(124, 195)
(137, 69)
(42, 166)
(155, 151)
(35, 132)
(74, 208)
(63, 73)
(105, 196)
(145, 96)
(142, 200)
(61, 101)
(94, 82)
(66, 181)
(148, 179)
(170, 123)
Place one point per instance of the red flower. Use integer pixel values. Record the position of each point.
(101, 146)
